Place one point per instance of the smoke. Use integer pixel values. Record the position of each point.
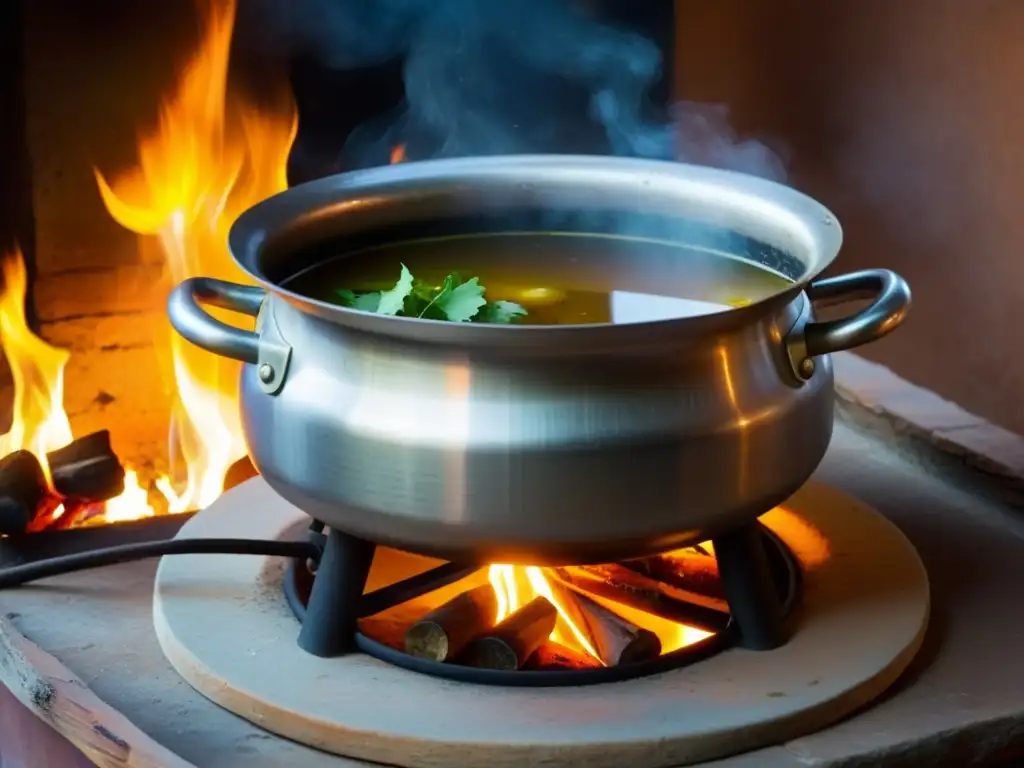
(510, 76)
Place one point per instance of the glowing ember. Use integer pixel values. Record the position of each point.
(210, 157)
(397, 154)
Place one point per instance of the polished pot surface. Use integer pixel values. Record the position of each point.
(541, 444)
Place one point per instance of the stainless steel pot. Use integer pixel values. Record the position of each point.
(538, 444)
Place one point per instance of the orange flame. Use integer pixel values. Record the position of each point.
(515, 586)
(132, 504)
(210, 157)
(39, 423)
(397, 154)
(506, 581)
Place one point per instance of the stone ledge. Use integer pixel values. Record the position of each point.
(934, 426)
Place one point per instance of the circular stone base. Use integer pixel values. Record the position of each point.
(223, 623)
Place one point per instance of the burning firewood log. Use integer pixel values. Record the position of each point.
(551, 656)
(695, 574)
(615, 640)
(510, 644)
(622, 585)
(87, 469)
(445, 631)
(22, 491)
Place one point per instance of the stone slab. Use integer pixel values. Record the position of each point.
(936, 425)
(225, 626)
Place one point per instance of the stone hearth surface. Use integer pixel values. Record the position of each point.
(961, 703)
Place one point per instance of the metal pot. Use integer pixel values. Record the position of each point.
(538, 444)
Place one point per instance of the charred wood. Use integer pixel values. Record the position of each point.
(510, 644)
(23, 489)
(615, 640)
(705, 590)
(444, 632)
(690, 572)
(551, 656)
(87, 469)
(621, 585)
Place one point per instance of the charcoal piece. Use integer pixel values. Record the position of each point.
(87, 469)
(22, 491)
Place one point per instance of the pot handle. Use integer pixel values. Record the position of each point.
(887, 311)
(184, 307)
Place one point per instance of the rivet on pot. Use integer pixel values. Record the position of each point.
(807, 368)
(266, 373)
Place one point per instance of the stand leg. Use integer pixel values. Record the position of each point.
(749, 588)
(332, 613)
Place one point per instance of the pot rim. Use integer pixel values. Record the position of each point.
(317, 211)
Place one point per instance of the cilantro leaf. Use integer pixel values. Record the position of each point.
(501, 313)
(367, 302)
(461, 303)
(453, 300)
(392, 301)
(436, 294)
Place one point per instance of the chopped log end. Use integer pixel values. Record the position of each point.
(444, 632)
(643, 647)
(427, 640)
(494, 653)
(510, 644)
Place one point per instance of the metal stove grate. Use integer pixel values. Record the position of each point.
(760, 579)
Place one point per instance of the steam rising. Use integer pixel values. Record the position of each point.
(511, 76)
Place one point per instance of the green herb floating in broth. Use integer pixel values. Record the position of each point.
(453, 300)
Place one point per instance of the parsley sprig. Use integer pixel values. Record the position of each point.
(454, 300)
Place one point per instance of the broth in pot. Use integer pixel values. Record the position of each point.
(557, 279)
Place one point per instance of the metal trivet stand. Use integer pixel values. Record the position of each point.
(759, 575)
